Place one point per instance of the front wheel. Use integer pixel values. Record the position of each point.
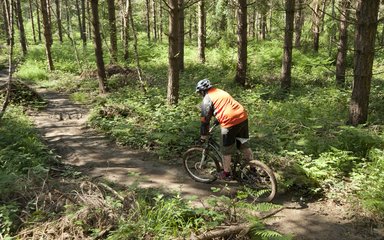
(200, 165)
(260, 179)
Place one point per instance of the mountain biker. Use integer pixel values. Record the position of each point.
(233, 120)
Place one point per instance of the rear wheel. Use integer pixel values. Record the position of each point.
(201, 165)
(260, 179)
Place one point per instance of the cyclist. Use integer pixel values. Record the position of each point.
(233, 120)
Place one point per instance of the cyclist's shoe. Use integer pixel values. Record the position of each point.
(224, 176)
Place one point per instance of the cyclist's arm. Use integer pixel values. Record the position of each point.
(206, 115)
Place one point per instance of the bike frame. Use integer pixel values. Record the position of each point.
(214, 147)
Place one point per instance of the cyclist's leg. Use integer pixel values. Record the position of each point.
(242, 137)
(228, 148)
(247, 153)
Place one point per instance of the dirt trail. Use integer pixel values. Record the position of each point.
(63, 125)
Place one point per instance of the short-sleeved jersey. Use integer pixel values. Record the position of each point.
(224, 107)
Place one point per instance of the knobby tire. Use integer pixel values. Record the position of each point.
(205, 173)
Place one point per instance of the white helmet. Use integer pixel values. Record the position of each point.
(203, 85)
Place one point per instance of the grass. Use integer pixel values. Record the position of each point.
(303, 135)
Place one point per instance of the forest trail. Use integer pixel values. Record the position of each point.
(63, 126)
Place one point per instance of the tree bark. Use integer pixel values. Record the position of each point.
(154, 19)
(252, 23)
(112, 30)
(58, 17)
(161, 30)
(138, 67)
(98, 47)
(83, 25)
(343, 44)
(6, 20)
(288, 39)
(263, 26)
(367, 13)
(47, 33)
(147, 18)
(80, 23)
(223, 16)
(126, 29)
(241, 70)
(181, 35)
(23, 39)
(38, 19)
(225, 232)
(32, 20)
(173, 53)
(8, 12)
(299, 21)
(317, 18)
(201, 42)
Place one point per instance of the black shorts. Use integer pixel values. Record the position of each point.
(235, 137)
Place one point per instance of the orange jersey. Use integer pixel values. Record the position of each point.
(224, 107)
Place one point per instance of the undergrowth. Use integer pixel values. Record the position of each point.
(303, 135)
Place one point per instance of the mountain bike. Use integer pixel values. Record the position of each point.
(204, 163)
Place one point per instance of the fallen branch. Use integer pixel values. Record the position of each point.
(111, 190)
(272, 213)
(242, 229)
(228, 230)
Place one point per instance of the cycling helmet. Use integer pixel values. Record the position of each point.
(203, 85)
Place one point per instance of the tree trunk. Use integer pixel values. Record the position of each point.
(154, 19)
(181, 35)
(83, 25)
(69, 33)
(112, 30)
(252, 24)
(288, 39)
(241, 70)
(367, 13)
(333, 33)
(47, 33)
(318, 16)
(78, 14)
(343, 44)
(32, 20)
(223, 17)
(23, 40)
(316, 24)
(263, 26)
(83, 20)
(38, 19)
(138, 68)
(68, 17)
(8, 12)
(58, 17)
(98, 47)
(126, 29)
(89, 22)
(299, 21)
(147, 18)
(202, 31)
(161, 21)
(6, 20)
(49, 14)
(173, 53)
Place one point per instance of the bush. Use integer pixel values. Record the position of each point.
(20, 147)
(369, 178)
